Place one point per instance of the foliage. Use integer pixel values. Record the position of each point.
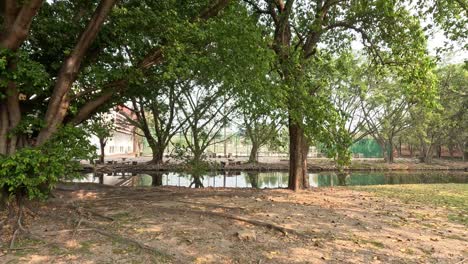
(101, 126)
(34, 172)
(206, 110)
(447, 124)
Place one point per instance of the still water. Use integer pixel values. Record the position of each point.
(271, 179)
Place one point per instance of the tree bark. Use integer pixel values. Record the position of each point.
(297, 158)
(3, 128)
(11, 114)
(59, 101)
(439, 151)
(426, 153)
(253, 158)
(197, 157)
(17, 21)
(157, 179)
(153, 57)
(391, 156)
(383, 149)
(158, 155)
(253, 179)
(465, 151)
(399, 148)
(102, 144)
(197, 181)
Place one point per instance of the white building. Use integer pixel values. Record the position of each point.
(124, 141)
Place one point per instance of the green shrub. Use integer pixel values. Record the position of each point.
(33, 172)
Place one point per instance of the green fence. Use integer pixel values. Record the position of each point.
(368, 148)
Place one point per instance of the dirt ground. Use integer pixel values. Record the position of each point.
(181, 225)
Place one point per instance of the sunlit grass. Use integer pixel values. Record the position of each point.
(453, 197)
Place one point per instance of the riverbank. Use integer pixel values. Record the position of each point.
(314, 165)
(181, 225)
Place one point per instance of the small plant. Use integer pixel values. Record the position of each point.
(32, 172)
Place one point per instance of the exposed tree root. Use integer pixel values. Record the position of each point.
(12, 241)
(20, 229)
(76, 228)
(273, 226)
(53, 233)
(122, 239)
(127, 240)
(80, 209)
(212, 205)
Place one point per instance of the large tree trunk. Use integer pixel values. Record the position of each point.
(439, 151)
(60, 101)
(297, 158)
(197, 156)
(10, 115)
(253, 158)
(158, 155)
(391, 156)
(399, 148)
(157, 179)
(102, 145)
(383, 148)
(426, 153)
(197, 182)
(465, 151)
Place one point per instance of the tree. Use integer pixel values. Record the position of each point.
(102, 126)
(445, 124)
(390, 35)
(57, 65)
(205, 109)
(156, 116)
(386, 111)
(260, 129)
(347, 83)
(453, 85)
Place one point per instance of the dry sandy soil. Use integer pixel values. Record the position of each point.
(180, 225)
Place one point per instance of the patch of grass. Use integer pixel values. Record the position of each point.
(375, 243)
(85, 247)
(360, 240)
(121, 215)
(453, 197)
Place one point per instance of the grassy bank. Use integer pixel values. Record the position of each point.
(453, 197)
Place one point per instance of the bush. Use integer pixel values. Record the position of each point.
(33, 172)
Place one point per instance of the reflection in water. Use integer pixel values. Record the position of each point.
(252, 178)
(272, 179)
(157, 178)
(197, 181)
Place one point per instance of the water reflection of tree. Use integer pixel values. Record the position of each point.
(252, 178)
(157, 178)
(100, 175)
(272, 179)
(342, 178)
(197, 181)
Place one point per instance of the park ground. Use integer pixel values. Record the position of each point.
(375, 224)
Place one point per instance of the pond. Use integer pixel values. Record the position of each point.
(272, 179)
